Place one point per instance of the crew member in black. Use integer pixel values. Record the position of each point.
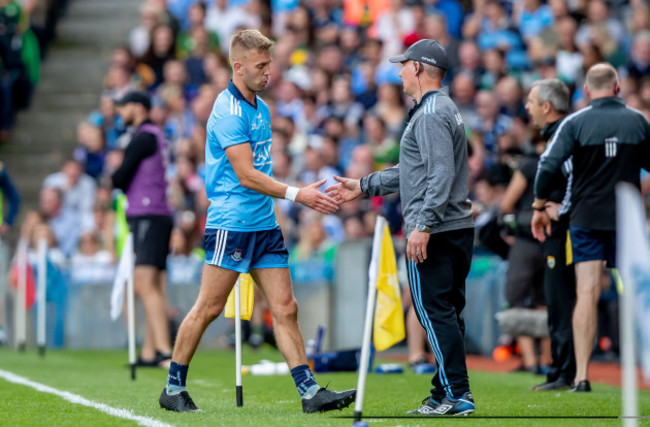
(610, 143)
(142, 177)
(548, 104)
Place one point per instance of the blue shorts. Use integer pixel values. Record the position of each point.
(593, 245)
(245, 250)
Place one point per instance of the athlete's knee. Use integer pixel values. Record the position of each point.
(206, 312)
(285, 310)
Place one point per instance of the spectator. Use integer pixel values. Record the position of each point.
(491, 124)
(7, 191)
(639, 61)
(63, 220)
(78, 190)
(140, 36)
(393, 25)
(601, 30)
(91, 151)
(224, 20)
(533, 17)
(188, 38)
(161, 50)
(91, 264)
(390, 108)
(384, 149)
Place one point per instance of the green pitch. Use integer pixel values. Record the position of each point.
(102, 377)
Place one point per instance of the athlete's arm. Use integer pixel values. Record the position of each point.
(241, 159)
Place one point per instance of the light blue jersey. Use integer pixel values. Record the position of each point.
(235, 121)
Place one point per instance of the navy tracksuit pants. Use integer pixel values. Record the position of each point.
(438, 292)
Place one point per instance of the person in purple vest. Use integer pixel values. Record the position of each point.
(142, 177)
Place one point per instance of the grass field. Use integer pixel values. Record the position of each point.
(102, 376)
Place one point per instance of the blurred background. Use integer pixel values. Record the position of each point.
(337, 109)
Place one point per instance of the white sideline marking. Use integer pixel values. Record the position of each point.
(76, 399)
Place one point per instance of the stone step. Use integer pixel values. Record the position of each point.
(44, 135)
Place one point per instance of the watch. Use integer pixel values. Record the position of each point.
(538, 208)
(423, 228)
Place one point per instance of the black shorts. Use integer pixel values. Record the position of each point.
(151, 235)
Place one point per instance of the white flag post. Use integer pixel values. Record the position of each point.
(238, 386)
(130, 297)
(124, 274)
(42, 289)
(632, 258)
(3, 295)
(21, 297)
(370, 312)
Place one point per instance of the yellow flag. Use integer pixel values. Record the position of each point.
(389, 317)
(246, 294)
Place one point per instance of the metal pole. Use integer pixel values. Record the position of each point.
(42, 284)
(238, 385)
(130, 303)
(21, 297)
(370, 312)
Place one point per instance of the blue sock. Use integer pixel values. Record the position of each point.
(305, 381)
(176, 378)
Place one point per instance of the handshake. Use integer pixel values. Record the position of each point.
(347, 189)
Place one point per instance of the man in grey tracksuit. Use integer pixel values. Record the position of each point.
(432, 179)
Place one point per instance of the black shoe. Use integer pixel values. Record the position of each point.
(556, 385)
(464, 405)
(161, 360)
(181, 402)
(328, 400)
(429, 405)
(582, 386)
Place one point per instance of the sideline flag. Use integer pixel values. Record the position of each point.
(121, 227)
(383, 287)
(389, 315)
(122, 275)
(634, 265)
(247, 298)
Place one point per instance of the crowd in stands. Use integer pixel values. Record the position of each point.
(336, 102)
(26, 29)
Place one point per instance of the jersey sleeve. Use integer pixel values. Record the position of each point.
(559, 149)
(230, 130)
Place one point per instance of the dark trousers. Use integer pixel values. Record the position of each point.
(560, 289)
(438, 291)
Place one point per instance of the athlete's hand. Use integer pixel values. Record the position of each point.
(311, 197)
(539, 224)
(348, 189)
(552, 210)
(416, 246)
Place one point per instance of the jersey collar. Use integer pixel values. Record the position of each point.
(443, 90)
(550, 128)
(605, 101)
(237, 94)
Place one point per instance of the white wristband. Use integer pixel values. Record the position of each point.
(291, 193)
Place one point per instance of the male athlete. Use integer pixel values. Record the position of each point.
(242, 234)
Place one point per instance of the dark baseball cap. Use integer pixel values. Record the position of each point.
(427, 51)
(137, 98)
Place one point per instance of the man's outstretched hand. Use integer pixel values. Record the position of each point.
(347, 189)
(311, 197)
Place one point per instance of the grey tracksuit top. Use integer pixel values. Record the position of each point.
(432, 175)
